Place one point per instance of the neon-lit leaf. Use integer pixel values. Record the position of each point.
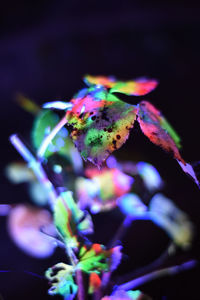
(154, 127)
(174, 221)
(61, 279)
(125, 295)
(94, 283)
(100, 192)
(150, 176)
(27, 104)
(137, 87)
(97, 259)
(131, 205)
(100, 124)
(191, 171)
(43, 125)
(24, 226)
(107, 82)
(70, 220)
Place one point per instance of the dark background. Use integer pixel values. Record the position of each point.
(45, 49)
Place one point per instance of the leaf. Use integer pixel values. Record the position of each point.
(131, 205)
(124, 295)
(174, 221)
(101, 191)
(137, 87)
(107, 82)
(100, 124)
(97, 259)
(27, 104)
(191, 171)
(150, 176)
(94, 283)
(60, 277)
(154, 127)
(70, 220)
(43, 125)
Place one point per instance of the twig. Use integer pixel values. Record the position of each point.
(36, 166)
(135, 283)
(79, 280)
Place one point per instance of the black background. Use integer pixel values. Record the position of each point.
(45, 49)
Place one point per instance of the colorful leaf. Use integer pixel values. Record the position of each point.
(124, 295)
(154, 127)
(191, 171)
(94, 283)
(70, 220)
(101, 191)
(61, 279)
(174, 221)
(150, 176)
(131, 205)
(100, 125)
(137, 87)
(97, 259)
(24, 226)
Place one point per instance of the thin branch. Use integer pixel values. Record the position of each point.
(37, 168)
(135, 283)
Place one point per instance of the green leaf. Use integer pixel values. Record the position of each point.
(97, 259)
(43, 125)
(70, 220)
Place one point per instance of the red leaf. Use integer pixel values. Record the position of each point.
(150, 120)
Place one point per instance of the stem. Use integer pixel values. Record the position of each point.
(5, 209)
(47, 140)
(121, 230)
(79, 280)
(156, 274)
(37, 168)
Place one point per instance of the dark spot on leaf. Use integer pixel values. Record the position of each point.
(91, 113)
(109, 129)
(93, 118)
(81, 115)
(104, 115)
(118, 137)
(114, 144)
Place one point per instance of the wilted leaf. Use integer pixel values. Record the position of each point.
(155, 127)
(61, 279)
